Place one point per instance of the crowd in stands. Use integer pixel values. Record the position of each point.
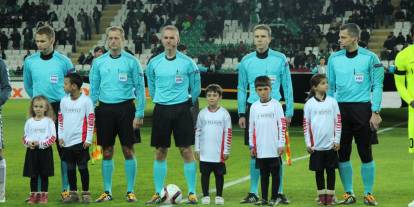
(23, 19)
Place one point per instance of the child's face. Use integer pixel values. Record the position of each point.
(213, 98)
(322, 87)
(39, 108)
(67, 86)
(263, 92)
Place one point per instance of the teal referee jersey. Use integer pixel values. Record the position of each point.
(172, 81)
(44, 75)
(276, 67)
(356, 79)
(115, 80)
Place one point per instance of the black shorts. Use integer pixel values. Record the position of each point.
(116, 119)
(76, 154)
(56, 109)
(320, 160)
(176, 119)
(219, 168)
(38, 162)
(355, 123)
(272, 162)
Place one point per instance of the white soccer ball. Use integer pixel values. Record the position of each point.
(171, 194)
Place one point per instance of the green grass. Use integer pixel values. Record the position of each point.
(393, 186)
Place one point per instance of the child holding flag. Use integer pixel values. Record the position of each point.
(322, 129)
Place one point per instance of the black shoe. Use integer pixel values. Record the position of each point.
(283, 199)
(250, 198)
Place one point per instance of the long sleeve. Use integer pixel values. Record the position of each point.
(400, 78)
(194, 82)
(139, 84)
(281, 126)
(198, 134)
(307, 126)
(228, 134)
(27, 79)
(151, 80)
(338, 123)
(242, 89)
(95, 82)
(4, 84)
(26, 139)
(60, 125)
(51, 137)
(90, 122)
(377, 78)
(287, 89)
(331, 77)
(252, 133)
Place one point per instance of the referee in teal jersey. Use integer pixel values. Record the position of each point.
(172, 78)
(116, 81)
(355, 77)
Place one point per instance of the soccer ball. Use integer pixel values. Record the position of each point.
(171, 194)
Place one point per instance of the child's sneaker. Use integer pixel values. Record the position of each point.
(274, 202)
(205, 200)
(130, 196)
(250, 198)
(330, 198)
(105, 196)
(43, 198)
(192, 198)
(72, 198)
(261, 202)
(155, 199)
(348, 199)
(86, 197)
(219, 200)
(369, 200)
(64, 195)
(283, 198)
(322, 199)
(32, 198)
(2, 196)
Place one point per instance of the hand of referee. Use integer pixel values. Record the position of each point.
(375, 121)
(137, 123)
(281, 150)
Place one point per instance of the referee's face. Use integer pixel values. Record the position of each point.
(115, 40)
(169, 39)
(261, 39)
(44, 43)
(346, 41)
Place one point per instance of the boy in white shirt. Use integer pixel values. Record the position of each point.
(212, 142)
(76, 122)
(267, 128)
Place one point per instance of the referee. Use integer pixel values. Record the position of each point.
(172, 77)
(116, 80)
(353, 73)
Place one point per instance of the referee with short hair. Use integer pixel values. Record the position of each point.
(172, 77)
(355, 77)
(116, 80)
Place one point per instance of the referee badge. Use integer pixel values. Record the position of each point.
(272, 78)
(359, 77)
(123, 77)
(179, 79)
(54, 78)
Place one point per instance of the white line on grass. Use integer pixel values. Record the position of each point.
(246, 178)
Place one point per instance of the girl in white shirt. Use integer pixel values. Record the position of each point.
(39, 135)
(322, 129)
